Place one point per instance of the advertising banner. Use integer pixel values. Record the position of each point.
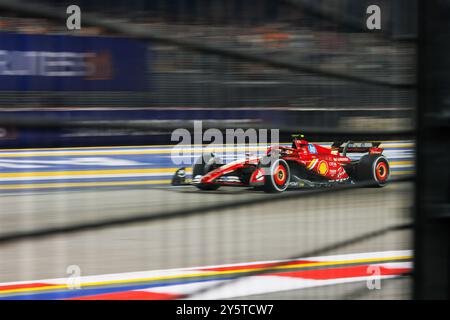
(72, 63)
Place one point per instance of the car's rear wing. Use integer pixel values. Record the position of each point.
(357, 147)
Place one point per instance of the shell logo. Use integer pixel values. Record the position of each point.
(323, 168)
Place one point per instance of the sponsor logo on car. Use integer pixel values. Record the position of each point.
(323, 167)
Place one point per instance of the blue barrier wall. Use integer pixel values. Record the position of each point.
(99, 135)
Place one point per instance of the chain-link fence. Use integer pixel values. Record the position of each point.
(110, 213)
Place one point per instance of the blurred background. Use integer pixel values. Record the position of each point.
(85, 137)
(148, 80)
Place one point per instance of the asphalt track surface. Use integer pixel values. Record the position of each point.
(271, 231)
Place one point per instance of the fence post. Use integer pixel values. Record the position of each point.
(432, 213)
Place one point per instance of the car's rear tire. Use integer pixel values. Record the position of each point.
(277, 175)
(202, 166)
(373, 168)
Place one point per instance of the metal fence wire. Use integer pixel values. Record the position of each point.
(310, 65)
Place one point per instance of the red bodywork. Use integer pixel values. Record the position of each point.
(327, 162)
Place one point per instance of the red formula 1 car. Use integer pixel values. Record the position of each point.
(304, 164)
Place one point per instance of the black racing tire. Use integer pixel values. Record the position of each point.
(373, 168)
(202, 166)
(277, 176)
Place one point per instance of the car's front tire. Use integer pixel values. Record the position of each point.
(277, 175)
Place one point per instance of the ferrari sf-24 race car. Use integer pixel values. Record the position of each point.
(302, 165)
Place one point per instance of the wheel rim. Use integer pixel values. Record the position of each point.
(381, 171)
(280, 175)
